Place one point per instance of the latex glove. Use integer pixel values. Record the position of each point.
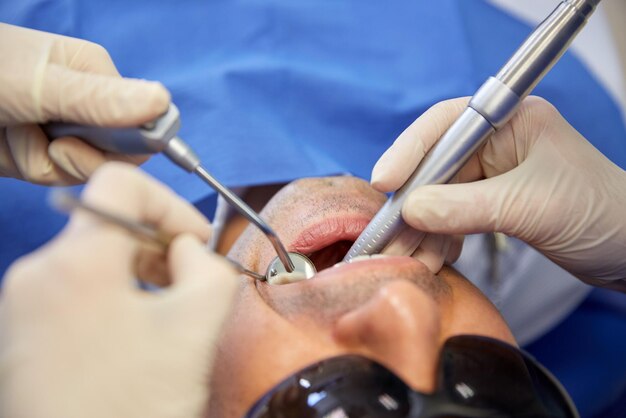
(398, 163)
(536, 179)
(79, 339)
(45, 77)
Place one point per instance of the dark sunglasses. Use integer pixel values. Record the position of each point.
(476, 377)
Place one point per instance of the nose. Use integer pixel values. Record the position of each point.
(400, 327)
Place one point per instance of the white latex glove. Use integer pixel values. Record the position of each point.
(536, 179)
(78, 338)
(46, 77)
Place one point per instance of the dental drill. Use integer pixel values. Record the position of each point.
(160, 135)
(491, 107)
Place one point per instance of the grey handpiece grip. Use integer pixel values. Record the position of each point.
(490, 108)
(451, 152)
(150, 138)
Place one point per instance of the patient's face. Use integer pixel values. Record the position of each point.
(392, 310)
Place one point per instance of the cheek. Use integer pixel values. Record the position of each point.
(244, 338)
(246, 249)
(481, 320)
(253, 250)
(257, 349)
(473, 313)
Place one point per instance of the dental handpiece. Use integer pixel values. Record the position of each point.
(160, 135)
(491, 107)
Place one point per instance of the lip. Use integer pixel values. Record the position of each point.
(320, 218)
(329, 231)
(357, 268)
(332, 230)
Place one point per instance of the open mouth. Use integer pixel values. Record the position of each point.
(329, 256)
(326, 243)
(322, 259)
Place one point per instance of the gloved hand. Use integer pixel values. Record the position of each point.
(536, 179)
(45, 77)
(79, 339)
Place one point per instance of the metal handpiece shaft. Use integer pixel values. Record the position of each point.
(490, 108)
(183, 156)
(247, 212)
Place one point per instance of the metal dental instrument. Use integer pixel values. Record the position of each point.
(66, 202)
(491, 107)
(160, 135)
(301, 262)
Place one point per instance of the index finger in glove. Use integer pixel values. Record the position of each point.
(536, 119)
(437, 249)
(82, 55)
(79, 54)
(402, 158)
(123, 190)
(193, 309)
(80, 159)
(195, 270)
(102, 100)
(24, 155)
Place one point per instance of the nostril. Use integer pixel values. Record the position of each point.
(400, 327)
(329, 256)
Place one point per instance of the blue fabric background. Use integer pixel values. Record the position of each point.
(274, 90)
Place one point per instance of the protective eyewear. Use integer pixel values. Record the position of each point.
(476, 377)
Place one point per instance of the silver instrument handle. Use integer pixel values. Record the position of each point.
(150, 138)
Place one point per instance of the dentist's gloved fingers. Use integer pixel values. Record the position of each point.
(80, 159)
(433, 251)
(463, 208)
(94, 99)
(400, 160)
(536, 120)
(47, 77)
(79, 54)
(77, 295)
(25, 155)
(151, 264)
(82, 55)
(124, 189)
(456, 246)
(8, 168)
(204, 285)
(406, 239)
(51, 77)
(195, 269)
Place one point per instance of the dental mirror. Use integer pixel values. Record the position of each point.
(303, 270)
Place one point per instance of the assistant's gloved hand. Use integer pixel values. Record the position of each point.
(536, 179)
(79, 339)
(46, 77)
